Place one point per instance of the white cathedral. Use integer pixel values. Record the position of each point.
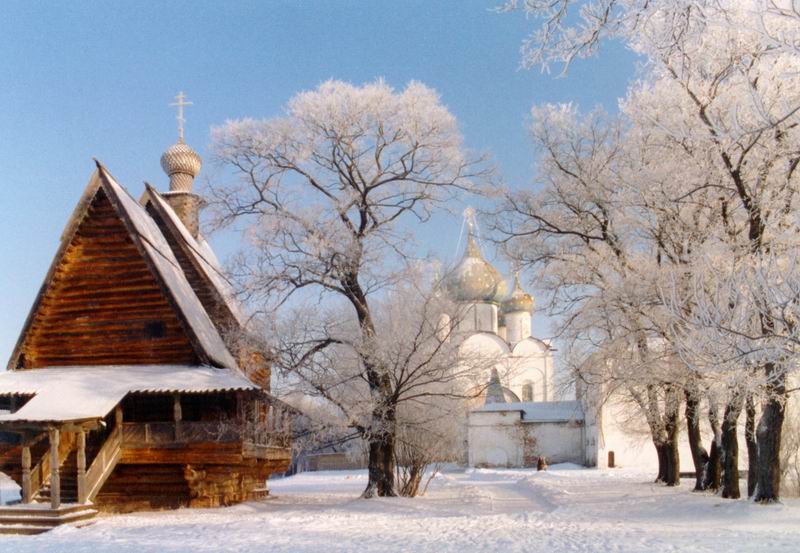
(520, 417)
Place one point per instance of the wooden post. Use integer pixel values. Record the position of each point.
(27, 493)
(81, 458)
(118, 416)
(177, 414)
(55, 479)
(611, 462)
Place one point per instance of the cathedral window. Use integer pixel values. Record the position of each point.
(527, 392)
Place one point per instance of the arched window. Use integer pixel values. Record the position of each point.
(527, 392)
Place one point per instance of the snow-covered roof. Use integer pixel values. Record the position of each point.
(170, 270)
(540, 411)
(204, 257)
(204, 335)
(80, 393)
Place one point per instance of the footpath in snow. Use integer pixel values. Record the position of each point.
(562, 510)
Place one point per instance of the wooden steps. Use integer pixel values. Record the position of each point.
(68, 472)
(36, 518)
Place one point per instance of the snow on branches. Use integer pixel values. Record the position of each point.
(674, 223)
(328, 195)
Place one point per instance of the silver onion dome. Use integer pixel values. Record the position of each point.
(474, 279)
(519, 300)
(182, 164)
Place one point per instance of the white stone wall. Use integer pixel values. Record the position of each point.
(620, 428)
(558, 442)
(478, 317)
(531, 363)
(518, 326)
(497, 439)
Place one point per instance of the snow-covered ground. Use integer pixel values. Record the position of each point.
(478, 510)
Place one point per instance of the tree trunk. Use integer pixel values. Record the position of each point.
(768, 434)
(699, 453)
(661, 451)
(730, 447)
(671, 464)
(672, 453)
(672, 404)
(382, 432)
(711, 480)
(752, 446)
(381, 464)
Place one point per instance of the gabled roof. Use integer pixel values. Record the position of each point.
(69, 394)
(201, 256)
(151, 244)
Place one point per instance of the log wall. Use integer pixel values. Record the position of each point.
(195, 475)
(103, 306)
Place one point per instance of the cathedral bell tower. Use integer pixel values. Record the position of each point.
(516, 310)
(182, 164)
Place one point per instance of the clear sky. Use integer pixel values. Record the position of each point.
(94, 79)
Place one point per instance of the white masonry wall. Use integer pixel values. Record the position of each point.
(495, 439)
(518, 327)
(477, 317)
(498, 439)
(558, 442)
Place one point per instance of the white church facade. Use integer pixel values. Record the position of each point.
(521, 417)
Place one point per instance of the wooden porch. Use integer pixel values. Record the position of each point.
(68, 465)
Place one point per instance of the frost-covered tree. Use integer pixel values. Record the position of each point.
(319, 354)
(575, 29)
(327, 195)
(705, 161)
(575, 232)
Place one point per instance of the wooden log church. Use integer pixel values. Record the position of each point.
(125, 390)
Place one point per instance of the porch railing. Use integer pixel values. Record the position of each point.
(149, 434)
(103, 464)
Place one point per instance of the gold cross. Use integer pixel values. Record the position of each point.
(469, 217)
(181, 102)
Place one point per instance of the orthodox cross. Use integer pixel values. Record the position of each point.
(181, 103)
(470, 223)
(469, 218)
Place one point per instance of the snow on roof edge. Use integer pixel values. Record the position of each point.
(169, 268)
(91, 392)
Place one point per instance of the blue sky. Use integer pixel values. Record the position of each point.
(93, 79)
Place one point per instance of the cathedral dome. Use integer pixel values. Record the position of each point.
(497, 393)
(474, 279)
(181, 159)
(519, 300)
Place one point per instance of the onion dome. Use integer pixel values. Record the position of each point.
(494, 391)
(519, 300)
(474, 279)
(497, 393)
(182, 164)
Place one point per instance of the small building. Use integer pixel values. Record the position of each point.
(126, 388)
(516, 434)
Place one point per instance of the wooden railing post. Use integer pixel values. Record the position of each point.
(81, 458)
(55, 479)
(27, 493)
